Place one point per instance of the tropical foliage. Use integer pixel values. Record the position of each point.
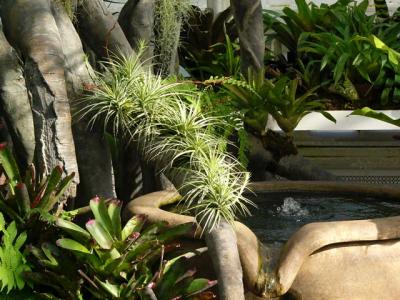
(209, 46)
(165, 121)
(102, 261)
(106, 260)
(27, 198)
(13, 264)
(350, 52)
(259, 97)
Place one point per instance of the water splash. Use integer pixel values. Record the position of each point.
(292, 208)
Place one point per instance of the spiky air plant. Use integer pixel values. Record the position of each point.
(172, 133)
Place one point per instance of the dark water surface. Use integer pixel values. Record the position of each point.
(279, 215)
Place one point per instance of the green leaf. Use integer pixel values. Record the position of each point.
(100, 234)
(51, 185)
(99, 210)
(61, 188)
(338, 72)
(134, 224)
(23, 200)
(114, 211)
(112, 289)
(368, 112)
(2, 222)
(197, 286)
(10, 166)
(175, 232)
(74, 230)
(72, 245)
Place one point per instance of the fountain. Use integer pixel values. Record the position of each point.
(308, 246)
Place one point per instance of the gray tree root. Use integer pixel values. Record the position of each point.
(222, 247)
(101, 31)
(15, 102)
(93, 155)
(31, 27)
(247, 245)
(137, 20)
(249, 21)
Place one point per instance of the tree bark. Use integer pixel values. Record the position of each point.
(249, 22)
(93, 155)
(31, 27)
(137, 21)
(101, 31)
(15, 102)
(222, 247)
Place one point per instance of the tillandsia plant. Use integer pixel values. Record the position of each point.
(106, 260)
(24, 197)
(172, 132)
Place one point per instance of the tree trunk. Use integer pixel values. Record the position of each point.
(222, 247)
(15, 102)
(137, 20)
(93, 155)
(101, 31)
(249, 22)
(31, 27)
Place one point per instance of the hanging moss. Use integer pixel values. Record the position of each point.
(169, 15)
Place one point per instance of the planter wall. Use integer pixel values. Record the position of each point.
(355, 148)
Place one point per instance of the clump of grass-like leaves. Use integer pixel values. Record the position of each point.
(172, 133)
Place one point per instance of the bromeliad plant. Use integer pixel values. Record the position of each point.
(109, 261)
(103, 261)
(25, 197)
(257, 97)
(364, 64)
(336, 43)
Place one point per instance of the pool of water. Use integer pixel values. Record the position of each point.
(278, 216)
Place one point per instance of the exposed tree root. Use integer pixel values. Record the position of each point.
(313, 244)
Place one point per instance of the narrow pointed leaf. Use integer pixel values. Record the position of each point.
(100, 235)
(74, 230)
(72, 245)
(99, 210)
